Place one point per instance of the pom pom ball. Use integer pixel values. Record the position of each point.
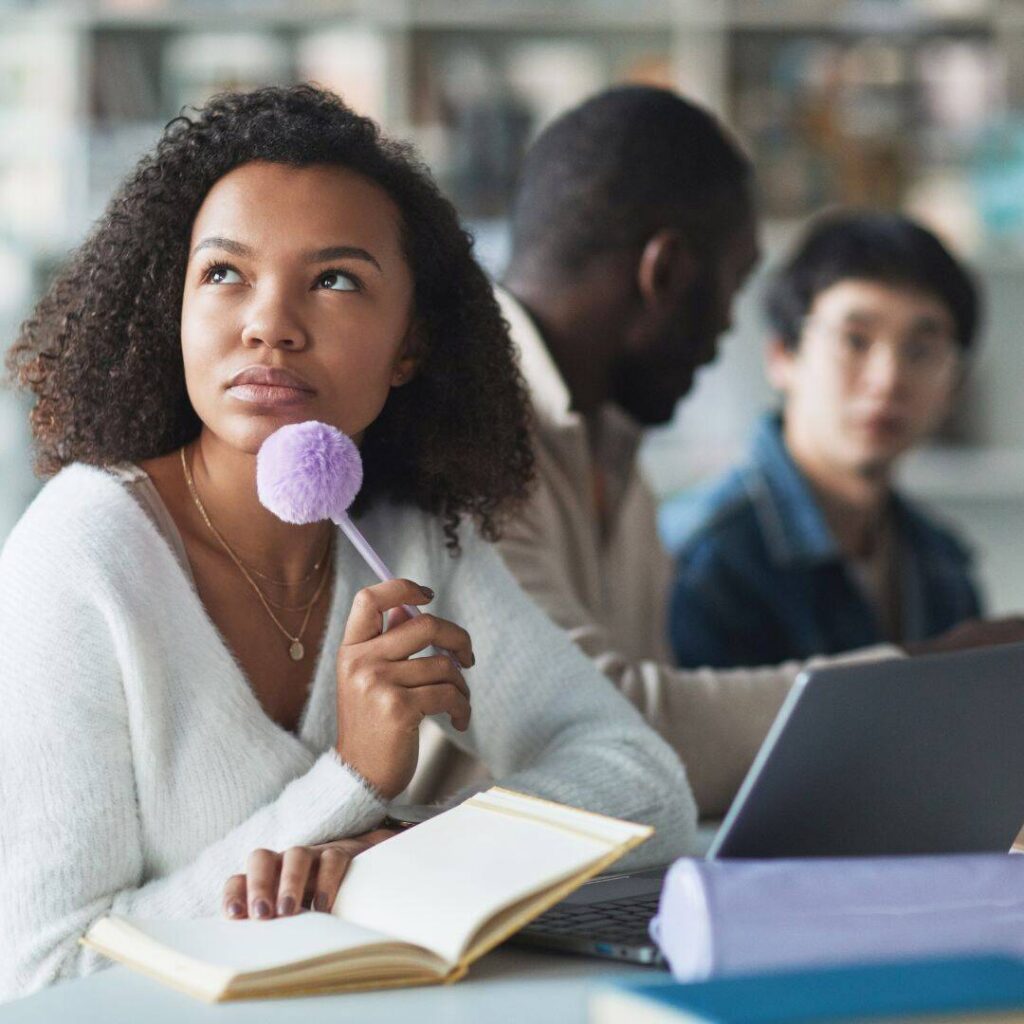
(308, 472)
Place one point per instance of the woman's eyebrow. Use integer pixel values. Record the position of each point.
(216, 242)
(333, 252)
(341, 252)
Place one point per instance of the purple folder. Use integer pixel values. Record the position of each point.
(742, 916)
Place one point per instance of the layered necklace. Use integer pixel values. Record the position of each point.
(296, 649)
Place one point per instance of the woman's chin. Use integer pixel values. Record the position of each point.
(247, 434)
(245, 429)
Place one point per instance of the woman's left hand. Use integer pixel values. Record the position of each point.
(282, 884)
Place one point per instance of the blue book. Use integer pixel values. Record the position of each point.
(915, 989)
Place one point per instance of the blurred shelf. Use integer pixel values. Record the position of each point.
(866, 16)
(965, 474)
(540, 15)
(857, 16)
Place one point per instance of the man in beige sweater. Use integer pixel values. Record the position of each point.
(633, 229)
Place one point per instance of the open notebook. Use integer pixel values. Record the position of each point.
(416, 909)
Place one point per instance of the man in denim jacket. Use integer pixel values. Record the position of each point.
(807, 549)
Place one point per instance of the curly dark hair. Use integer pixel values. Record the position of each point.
(101, 352)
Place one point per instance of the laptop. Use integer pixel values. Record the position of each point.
(606, 917)
(903, 756)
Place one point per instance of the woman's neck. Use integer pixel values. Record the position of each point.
(225, 485)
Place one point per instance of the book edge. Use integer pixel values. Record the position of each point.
(529, 798)
(223, 983)
(205, 994)
(337, 988)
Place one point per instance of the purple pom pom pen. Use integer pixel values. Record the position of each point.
(308, 472)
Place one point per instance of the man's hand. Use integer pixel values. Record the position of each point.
(972, 633)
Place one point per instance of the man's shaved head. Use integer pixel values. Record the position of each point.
(614, 170)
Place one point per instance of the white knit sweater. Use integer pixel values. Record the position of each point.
(138, 770)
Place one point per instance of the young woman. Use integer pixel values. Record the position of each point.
(186, 679)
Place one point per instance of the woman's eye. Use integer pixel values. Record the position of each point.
(223, 275)
(337, 281)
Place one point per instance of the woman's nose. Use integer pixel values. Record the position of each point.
(273, 322)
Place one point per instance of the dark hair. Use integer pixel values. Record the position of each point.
(102, 350)
(887, 248)
(614, 170)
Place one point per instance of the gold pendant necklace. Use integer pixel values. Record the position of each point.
(296, 650)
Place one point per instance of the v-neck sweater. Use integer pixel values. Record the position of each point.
(138, 770)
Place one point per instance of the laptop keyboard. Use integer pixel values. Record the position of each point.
(622, 920)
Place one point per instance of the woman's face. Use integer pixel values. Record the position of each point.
(297, 302)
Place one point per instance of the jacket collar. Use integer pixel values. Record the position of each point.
(792, 520)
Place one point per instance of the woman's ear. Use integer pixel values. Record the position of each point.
(410, 355)
(778, 363)
(667, 268)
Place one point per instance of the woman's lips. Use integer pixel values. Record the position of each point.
(275, 395)
(269, 386)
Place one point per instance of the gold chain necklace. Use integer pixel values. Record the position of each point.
(296, 650)
(292, 607)
(286, 583)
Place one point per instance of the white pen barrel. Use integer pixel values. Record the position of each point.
(372, 559)
(383, 573)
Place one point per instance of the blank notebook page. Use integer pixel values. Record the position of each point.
(435, 884)
(256, 945)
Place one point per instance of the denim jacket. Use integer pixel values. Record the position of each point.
(760, 579)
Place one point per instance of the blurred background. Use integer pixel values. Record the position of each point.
(909, 104)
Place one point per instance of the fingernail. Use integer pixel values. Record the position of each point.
(427, 593)
(235, 909)
(261, 909)
(286, 906)
(320, 903)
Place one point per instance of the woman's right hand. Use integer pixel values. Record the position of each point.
(384, 692)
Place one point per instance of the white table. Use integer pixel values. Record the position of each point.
(509, 986)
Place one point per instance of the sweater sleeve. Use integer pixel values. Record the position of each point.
(546, 722)
(71, 841)
(715, 719)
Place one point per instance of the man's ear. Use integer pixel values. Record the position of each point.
(667, 267)
(778, 363)
(410, 356)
